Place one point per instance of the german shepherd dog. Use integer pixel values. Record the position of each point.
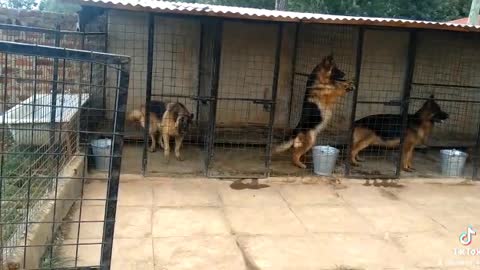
(176, 122)
(385, 130)
(157, 109)
(325, 85)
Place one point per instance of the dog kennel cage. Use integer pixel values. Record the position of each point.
(44, 150)
(243, 72)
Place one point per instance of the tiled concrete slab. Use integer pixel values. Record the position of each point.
(133, 222)
(250, 197)
(185, 193)
(361, 251)
(436, 250)
(398, 218)
(135, 193)
(189, 222)
(321, 218)
(133, 254)
(272, 220)
(283, 253)
(310, 194)
(193, 253)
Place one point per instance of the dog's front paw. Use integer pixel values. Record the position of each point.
(350, 86)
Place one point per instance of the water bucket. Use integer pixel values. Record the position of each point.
(453, 162)
(324, 159)
(101, 153)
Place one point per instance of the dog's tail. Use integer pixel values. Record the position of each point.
(284, 146)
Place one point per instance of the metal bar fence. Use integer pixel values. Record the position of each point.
(42, 176)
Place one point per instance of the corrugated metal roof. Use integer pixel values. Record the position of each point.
(463, 21)
(268, 15)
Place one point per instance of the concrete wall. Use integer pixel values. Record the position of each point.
(450, 59)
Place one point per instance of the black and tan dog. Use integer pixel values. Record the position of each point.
(176, 122)
(167, 120)
(325, 85)
(157, 109)
(385, 130)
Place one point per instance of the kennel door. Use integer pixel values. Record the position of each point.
(381, 92)
(244, 100)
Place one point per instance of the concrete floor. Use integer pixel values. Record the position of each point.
(197, 224)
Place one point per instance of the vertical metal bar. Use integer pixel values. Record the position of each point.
(79, 104)
(407, 88)
(271, 122)
(105, 49)
(353, 113)
(148, 94)
(53, 110)
(294, 70)
(115, 165)
(58, 153)
(2, 147)
(199, 72)
(476, 156)
(30, 171)
(216, 61)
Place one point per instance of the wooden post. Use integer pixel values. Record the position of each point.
(281, 4)
(474, 10)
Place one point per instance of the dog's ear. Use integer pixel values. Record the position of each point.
(328, 60)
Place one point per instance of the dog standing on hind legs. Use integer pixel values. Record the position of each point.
(325, 85)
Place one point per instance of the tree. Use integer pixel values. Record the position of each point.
(19, 4)
(58, 7)
(434, 10)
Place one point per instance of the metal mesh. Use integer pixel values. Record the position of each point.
(48, 98)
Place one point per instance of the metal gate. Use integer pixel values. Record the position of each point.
(244, 108)
(385, 77)
(184, 64)
(48, 122)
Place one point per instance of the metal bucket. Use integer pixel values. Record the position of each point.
(101, 152)
(453, 162)
(324, 159)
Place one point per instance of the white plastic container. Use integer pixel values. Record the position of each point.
(38, 111)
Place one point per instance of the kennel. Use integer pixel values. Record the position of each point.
(51, 99)
(243, 72)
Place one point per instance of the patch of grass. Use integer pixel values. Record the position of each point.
(21, 186)
(52, 258)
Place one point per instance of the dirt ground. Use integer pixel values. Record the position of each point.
(313, 224)
(228, 161)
